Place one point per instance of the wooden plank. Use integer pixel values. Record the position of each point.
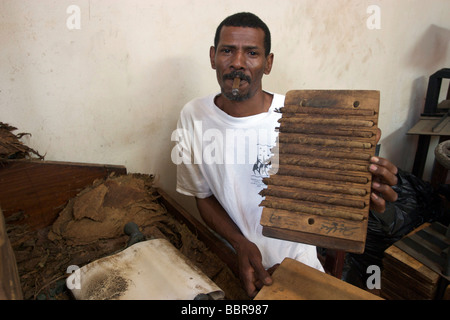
(314, 224)
(293, 280)
(36, 191)
(425, 127)
(446, 295)
(314, 239)
(10, 288)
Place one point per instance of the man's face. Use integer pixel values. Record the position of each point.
(240, 52)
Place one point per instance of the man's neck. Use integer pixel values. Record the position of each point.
(257, 104)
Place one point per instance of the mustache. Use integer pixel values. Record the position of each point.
(235, 74)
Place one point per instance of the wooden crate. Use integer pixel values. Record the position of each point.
(405, 278)
(36, 191)
(40, 189)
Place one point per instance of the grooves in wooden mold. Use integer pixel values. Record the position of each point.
(320, 193)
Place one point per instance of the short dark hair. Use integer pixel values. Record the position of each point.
(245, 19)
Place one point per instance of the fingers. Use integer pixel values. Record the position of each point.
(252, 273)
(254, 278)
(254, 281)
(384, 170)
(384, 191)
(384, 177)
(262, 276)
(272, 269)
(377, 203)
(248, 280)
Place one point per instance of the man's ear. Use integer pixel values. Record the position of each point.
(212, 55)
(269, 63)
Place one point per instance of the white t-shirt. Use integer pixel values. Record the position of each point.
(227, 157)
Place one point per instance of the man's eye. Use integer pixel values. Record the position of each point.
(226, 50)
(253, 53)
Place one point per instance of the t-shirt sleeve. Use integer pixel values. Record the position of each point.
(190, 180)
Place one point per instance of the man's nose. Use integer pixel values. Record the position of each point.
(238, 61)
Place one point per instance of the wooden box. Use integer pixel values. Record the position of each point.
(406, 278)
(32, 195)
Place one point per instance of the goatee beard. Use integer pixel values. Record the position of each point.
(237, 97)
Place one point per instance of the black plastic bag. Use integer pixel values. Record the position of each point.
(417, 203)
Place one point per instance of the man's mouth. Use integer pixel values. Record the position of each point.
(237, 74)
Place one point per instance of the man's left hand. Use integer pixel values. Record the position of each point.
(384, 177)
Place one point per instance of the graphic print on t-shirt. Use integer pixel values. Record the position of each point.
(262, 164)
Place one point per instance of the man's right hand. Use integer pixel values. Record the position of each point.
(251, 271)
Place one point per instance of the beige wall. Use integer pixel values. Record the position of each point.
(111, 91)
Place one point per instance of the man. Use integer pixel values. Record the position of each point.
(224, 141)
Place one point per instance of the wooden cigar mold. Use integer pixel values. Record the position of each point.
(319, 189)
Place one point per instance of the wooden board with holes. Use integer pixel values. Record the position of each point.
(319, 188)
